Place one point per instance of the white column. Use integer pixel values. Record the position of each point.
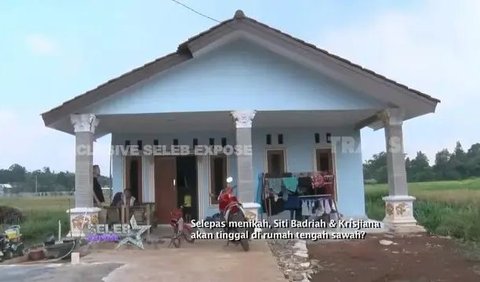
(84, 213)
(245, 182)
(398, 204)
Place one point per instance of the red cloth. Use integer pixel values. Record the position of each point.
(317, 181)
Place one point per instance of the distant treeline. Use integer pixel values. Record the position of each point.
(45, 180)
(448, 166)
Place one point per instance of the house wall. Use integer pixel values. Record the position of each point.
(239, 75)
(299, 144)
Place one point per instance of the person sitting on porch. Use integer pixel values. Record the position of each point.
(98, 198)
(120, 199)
(128, 198)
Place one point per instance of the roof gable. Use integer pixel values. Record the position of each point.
(416, 103)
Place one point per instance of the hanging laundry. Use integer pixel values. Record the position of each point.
(304, 208)
(284, 194)
(326, 204)
(292, 203)
(275, 184)
(270, 205)
(290, 183)
(333, 206)
(317, 181)
(305, 181)
(320, 209)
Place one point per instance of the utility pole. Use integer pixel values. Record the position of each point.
(36, 185)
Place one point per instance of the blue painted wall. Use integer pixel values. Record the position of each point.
(299, 144)
(249, 76)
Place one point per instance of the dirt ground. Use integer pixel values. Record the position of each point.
(412, 258)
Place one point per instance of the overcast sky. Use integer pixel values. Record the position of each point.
(51, 51)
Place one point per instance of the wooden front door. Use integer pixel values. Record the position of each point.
(165, 188)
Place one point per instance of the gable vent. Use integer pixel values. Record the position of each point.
(280, 139)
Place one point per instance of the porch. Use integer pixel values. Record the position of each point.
(290, 141)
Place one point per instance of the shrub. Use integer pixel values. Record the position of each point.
(10, 215)
(370, 181)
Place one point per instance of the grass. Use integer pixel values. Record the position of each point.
(41, 215)
(444, 207)
(449, 208)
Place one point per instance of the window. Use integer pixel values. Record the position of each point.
(276, 162)
(218, 175)
(269, 139)
(324, 160)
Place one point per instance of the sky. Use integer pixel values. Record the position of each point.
(51, 51)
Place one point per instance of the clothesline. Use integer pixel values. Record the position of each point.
(316, 196)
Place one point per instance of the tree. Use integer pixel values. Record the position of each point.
(17, 173)
(419, 169)
(442, 164)
(473, 160)
(376, 168)
(458, 163)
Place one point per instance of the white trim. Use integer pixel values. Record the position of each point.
(202, 167)
(243, 119)
(275, 148)
(84, 122)
(84, 210)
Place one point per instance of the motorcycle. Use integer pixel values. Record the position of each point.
(235, 217)
(181, 229)
(11, 243)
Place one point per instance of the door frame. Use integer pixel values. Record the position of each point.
(334, 164)
(127, 161)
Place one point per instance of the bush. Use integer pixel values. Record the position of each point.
(375, 205)
(461, 221)
(10, 215)
(39, 224)
(370, 181)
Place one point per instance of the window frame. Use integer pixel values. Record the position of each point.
(213, 200)
(276, 148)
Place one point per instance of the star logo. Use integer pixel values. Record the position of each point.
(134, 236)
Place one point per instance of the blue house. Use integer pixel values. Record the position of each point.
(285, 105)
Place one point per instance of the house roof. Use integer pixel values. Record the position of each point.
(185, 52)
